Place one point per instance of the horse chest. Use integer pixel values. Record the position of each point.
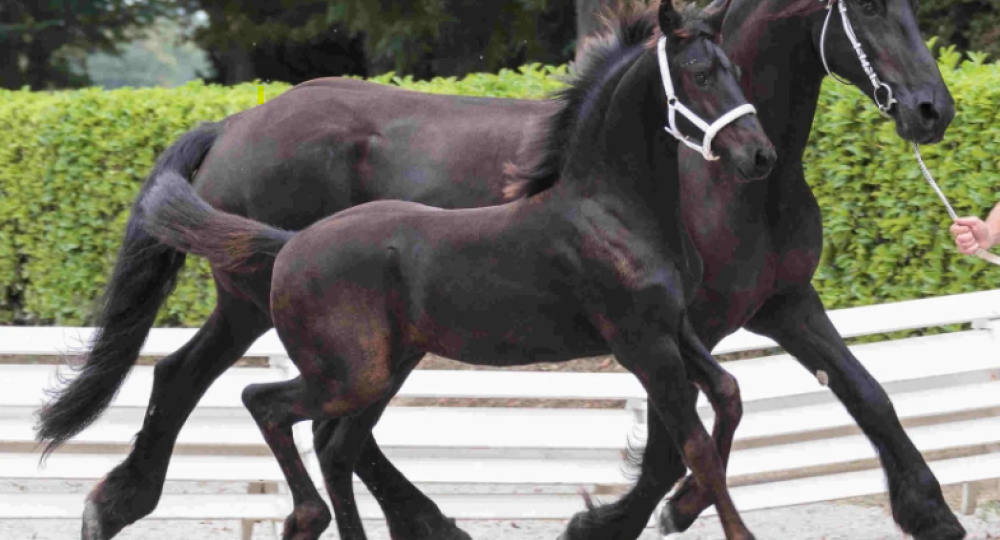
(738, 281)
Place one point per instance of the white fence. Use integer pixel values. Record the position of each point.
(796, 443)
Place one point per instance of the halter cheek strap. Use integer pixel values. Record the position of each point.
(883, 107)
(674, 106)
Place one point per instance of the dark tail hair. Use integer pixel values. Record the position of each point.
(144, 274)
(178, 217)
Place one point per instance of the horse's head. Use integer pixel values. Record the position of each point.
(706, 92)
(890, 41)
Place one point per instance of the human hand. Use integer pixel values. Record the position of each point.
(971, 234)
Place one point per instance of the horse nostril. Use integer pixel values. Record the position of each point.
(764, 159)
(928, 112)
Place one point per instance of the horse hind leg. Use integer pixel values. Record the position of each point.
(276, 407)
(409, 513)
(341, 449)
(132, 489)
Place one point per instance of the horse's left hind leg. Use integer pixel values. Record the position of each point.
(410, 514)
(276, 407)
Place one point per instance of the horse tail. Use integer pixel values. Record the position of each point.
(178, 217)
(144, 275)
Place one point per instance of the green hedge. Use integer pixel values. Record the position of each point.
(72, 162)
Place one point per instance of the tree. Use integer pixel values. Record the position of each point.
(40, 39)
(968, 24)
(295, 40)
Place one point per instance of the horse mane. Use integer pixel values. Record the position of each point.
(544, 154)
(798, 8)
(634, 26)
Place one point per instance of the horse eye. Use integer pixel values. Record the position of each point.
(869, 7)
(701, 79)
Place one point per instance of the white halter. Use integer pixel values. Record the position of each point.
(673, 105)
(869, 70)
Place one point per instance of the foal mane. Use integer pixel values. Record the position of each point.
(632, 29)
(544, 154)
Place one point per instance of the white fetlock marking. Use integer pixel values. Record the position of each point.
(823, 378)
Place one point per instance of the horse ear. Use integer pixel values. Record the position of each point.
(670, 20)
(715, 15)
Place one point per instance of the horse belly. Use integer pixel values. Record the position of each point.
(506, 330)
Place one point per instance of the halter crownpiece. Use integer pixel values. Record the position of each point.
(883, 107)
(674, 105)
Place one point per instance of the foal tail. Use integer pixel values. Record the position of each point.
(178, 217)
(144, 274)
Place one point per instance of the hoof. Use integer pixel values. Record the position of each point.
(944, 531)
(668, 525)
(444, 529)
(307, 522)
(604, 522)
(918, 507)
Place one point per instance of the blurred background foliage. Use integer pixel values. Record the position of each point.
(51, 44)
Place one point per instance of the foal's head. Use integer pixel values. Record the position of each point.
(628, 65)
(706, 82)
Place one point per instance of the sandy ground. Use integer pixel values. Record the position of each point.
(865, 519)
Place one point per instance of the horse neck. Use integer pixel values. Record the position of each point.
(782, 74)
(621, 157)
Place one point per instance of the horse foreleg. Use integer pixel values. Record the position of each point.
(797, 321)
(723, 392)
(663, 373)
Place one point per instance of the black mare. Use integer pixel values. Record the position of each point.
(595, 258)
(329, 144)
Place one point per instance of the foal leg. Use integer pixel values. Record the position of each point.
(661, 370)
(797, 321)
(343, 450)
(336, 388)
(723, 392)
(132, 489)
(662, 465)
(410, 514)
(276, 407)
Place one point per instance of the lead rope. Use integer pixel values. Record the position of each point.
(884, 108)
(981, 253)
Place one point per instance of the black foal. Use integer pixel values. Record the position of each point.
(594, 258)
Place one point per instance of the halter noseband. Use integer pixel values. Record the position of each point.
(869, 70)
(674, 105)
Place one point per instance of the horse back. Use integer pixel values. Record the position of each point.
(334, 143)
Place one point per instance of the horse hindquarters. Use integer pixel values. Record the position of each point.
(346, 346)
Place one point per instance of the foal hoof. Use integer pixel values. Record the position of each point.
(445, 529)
(943, 531)
(307, 522)
(668, 525)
